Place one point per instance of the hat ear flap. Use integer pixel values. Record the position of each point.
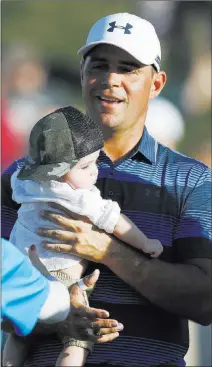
(36, 142)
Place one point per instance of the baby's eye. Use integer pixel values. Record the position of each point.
(85, 167)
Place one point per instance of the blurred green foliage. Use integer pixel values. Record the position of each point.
(58, 29)
(55, 27)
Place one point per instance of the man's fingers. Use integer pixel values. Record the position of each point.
(106, 331)
(64, 210)
(59, 247)
(91, 279)
(108, 324)
(107, 338)
(61, 220)
(32, 253)
(35, 260)
(102, 326)
(92, 313)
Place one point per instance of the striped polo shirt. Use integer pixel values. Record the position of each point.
(168, 196)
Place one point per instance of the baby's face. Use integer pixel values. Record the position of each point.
(84, 174)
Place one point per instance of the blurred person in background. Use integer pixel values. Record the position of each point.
(24, 85)
(165, 122)
(204, 153)
(165, 193)
(11, 142)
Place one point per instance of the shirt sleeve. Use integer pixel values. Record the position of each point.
(24, 289)
(193, 232)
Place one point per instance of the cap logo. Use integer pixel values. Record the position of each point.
(126, 28)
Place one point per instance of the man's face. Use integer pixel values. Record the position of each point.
(116, 87)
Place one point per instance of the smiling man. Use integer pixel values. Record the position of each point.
(167, 195)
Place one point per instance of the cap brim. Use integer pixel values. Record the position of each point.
(86, 48)
(46, 172)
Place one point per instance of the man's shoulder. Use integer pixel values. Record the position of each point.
(183, 164)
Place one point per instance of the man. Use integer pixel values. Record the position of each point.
(29, 297)
(167, 195)
(24, 288)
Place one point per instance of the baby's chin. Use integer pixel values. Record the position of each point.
(89, 187)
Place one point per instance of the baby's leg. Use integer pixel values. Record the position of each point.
(72, 356)
(75, 351)
(15, 350)
(76, 272)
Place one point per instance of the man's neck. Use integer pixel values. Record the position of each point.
(121, 143)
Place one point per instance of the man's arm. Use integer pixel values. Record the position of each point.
(27, 296)
(184, 289)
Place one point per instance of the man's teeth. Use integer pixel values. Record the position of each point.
(109, 99)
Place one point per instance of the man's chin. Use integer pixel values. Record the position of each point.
(109, 121)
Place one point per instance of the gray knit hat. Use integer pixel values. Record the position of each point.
(57, 142)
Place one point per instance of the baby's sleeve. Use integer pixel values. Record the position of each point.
(103, 213)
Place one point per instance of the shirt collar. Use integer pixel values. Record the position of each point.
(148, 146)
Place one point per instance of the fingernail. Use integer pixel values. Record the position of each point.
(120, 326)
(105, 314)
(114, 323)
(96, 270)
(32, 247)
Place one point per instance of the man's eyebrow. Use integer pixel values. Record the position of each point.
(131, 63)
(96, 58)
(127, 63)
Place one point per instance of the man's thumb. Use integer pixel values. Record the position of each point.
(91, 279)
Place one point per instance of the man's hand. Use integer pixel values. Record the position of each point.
(83, 322)
(78, 237)
(34, 258)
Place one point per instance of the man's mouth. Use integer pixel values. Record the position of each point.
(109, 100)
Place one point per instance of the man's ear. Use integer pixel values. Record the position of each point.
(158, 82)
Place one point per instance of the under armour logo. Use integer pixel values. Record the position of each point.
(126, 29)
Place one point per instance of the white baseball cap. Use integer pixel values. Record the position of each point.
(129, 32)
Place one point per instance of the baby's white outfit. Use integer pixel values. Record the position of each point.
(35, 196)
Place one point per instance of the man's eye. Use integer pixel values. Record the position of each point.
(128, 70)
(124, 69)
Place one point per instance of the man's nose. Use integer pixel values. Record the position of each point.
(112, 79)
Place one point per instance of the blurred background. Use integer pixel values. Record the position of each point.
(40, 72)
(40, 67)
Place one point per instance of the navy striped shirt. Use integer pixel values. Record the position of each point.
(168, 196)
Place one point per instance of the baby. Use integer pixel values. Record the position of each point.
(62, 168)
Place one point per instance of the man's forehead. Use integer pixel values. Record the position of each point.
(107, 52)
